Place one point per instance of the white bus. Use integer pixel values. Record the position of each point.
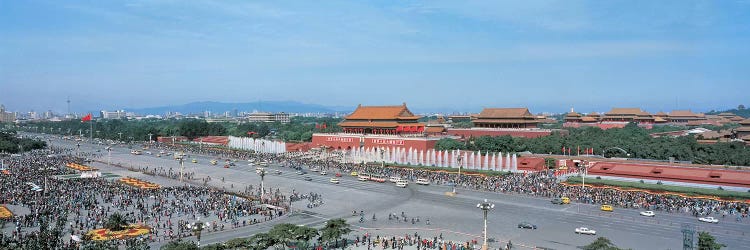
(377, 178)
(421, 181)
(394, 179)
(363, 177)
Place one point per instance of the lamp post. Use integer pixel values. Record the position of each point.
(149, 137)
(485, 206)
(455, 183)
(262, 173)
(109, 156)
(197, 228)
(182, 166)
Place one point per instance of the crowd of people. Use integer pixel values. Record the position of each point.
(64, 210)
(542, 184)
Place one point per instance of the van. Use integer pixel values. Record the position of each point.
(394, 179)
(402, 183)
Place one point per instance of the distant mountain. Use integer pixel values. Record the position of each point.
(221, 107)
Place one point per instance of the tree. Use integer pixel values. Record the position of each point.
(180, 245)
(116, 222)
(261, 241)
(448, 144)
(549, 162)
(601, 243)
(707, 242)
(741, 107)
(333, 230)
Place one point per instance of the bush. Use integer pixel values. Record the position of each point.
(598, 177)
(659, 183)
(641, 181)
(720, 188)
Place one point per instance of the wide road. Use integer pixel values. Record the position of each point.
(456, 217)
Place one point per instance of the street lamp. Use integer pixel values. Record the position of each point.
(455, 183)
(485, 206)
(120, 133)
(197, 228)
(149, 137)
(182, 166)
(262, 173)
(109, 155)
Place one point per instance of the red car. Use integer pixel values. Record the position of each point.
(338, 174)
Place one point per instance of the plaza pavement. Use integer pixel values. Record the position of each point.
(455, 216)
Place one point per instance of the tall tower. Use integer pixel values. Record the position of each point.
(68, 106)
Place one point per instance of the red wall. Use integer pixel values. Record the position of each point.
(347, 142)
(515, 133)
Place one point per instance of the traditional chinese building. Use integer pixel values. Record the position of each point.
(389, 120)
(573, 116)
(685, 116)
(505, 118)
(370, 127)
(743, 132)
(627, 115)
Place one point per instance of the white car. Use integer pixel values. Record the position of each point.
(708, 219)
(402, 183)
(584, 230)
(335, 180)
(314, 169)
(421, 181)
(648, 213)
(323, 172)
(394, 179)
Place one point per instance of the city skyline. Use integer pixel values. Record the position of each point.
(548, 56)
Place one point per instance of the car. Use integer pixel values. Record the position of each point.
(648, 213)
(526, 225)
(708, 219)
(232, 164)
(421, 181)
(402, 183)
(314, 169)
(213, 162)
(300, 172)
(335, 180)
(338, 174)
(277, 172)
(354, 173)
(607, 208)
(585, 230)
(308, 178)
(158, 155)
(226, 166)
(323, 173)
(195, 161)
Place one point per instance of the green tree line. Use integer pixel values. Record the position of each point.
(10, 143)
(635, 141)
(299, 129)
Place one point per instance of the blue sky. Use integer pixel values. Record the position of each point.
(434, 55)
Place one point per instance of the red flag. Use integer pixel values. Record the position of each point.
(563, 150)
(568, 151)
(86, 118)
(317, 126)
(324, 126)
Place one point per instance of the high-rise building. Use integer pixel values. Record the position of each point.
(6, 116)
(118, 114)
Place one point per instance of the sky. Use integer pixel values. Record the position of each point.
(547, 55)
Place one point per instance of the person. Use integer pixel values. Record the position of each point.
(428, 221)
(373, 217)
